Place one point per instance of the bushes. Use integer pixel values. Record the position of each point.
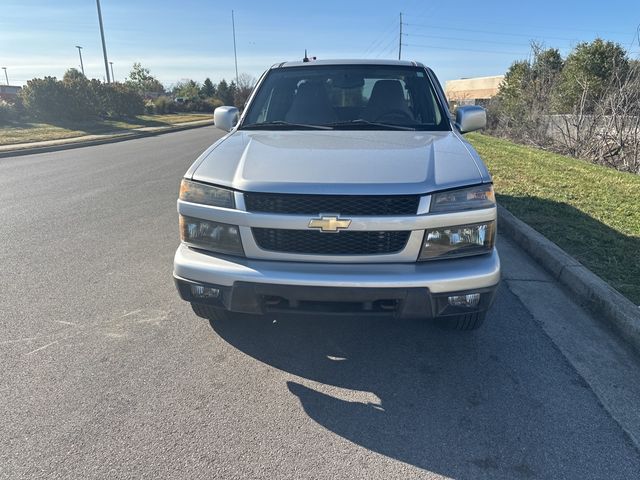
(81, 98)
(149, 107)
(45, 98)
(7, 111)
(586, 106)
(75, 98)
(164, 105)
(199, 105)
(120, 100)
(213, 103)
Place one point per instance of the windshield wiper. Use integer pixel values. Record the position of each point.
(283, 125)
(366, 123)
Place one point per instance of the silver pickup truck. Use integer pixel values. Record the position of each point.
(344, 187)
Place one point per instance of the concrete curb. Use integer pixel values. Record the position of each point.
(591, 291)
(120, 137)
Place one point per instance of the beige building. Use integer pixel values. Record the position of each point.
(472, 91)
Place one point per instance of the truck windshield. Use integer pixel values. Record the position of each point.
(353, 97)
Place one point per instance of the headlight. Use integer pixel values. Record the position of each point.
(480, 196)
(458, 241)
(214, 236)
(195, 192)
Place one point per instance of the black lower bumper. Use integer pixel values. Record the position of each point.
(259, 298)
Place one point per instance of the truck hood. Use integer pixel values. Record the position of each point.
(339, 162)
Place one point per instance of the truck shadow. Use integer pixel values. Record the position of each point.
(500, 402)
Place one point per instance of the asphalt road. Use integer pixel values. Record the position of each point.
(107, 374)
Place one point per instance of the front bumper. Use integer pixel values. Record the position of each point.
(408, 289)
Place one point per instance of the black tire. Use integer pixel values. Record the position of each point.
(210, 313)
(467, 321)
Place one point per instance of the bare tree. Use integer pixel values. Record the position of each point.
(244, 88)
(587, 106)
(609, 131)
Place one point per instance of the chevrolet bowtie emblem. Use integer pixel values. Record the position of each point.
(329, 224)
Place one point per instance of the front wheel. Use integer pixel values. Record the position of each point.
(464, 322)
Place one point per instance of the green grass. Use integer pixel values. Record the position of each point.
(590, 211)
(24, 132)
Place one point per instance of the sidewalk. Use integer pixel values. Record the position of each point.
(88, 140)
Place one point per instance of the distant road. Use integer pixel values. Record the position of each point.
(107, 374)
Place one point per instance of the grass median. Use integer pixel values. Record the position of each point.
(25, 132)
(590, 211)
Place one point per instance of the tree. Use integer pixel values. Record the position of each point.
(233, 89)
(547, 62)
(515, 82)
(587, 74)
(523, 103)
(140, 79)
(225, 93)
(73, 74)
(188, 89)
(246, 83)
(208, 89)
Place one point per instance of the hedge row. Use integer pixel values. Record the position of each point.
(78, 98)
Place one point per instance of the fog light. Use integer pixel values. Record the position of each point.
(200, 291)
(470, 300)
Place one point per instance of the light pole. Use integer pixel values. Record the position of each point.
(113, 77)
(104, 46)
(80, 53)
(5, 74)
(400, 41)
(235, 55)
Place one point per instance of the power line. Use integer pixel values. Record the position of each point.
(389, 48)
(438, 47)
(380, 39)
(439, 37)
(487, 31)
(563, 28)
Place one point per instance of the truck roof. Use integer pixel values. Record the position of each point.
(367, 61)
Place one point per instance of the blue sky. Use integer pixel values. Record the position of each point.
(192, 38)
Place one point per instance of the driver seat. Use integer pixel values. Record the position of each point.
(311, 105)
(386, 97)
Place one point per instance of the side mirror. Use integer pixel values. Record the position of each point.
(470, 118)
(225, 118)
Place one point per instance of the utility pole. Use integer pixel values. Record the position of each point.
(400, 40)
(5, 74)
(80, 53)
(235, 54)
(104, 46)
(113, 77)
